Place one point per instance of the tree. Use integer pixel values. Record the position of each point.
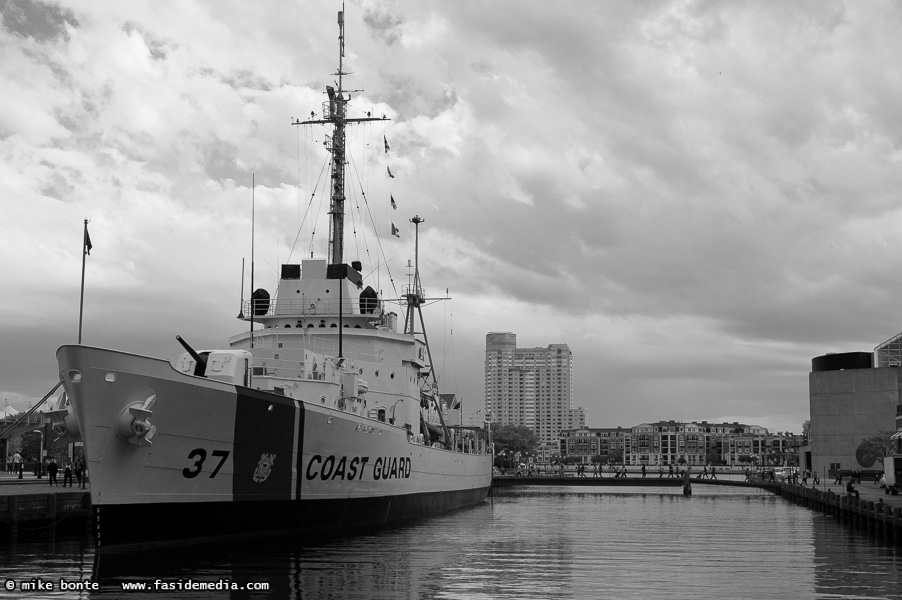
(875, 447)
(745, 458)
(514, 438)
(597, 459)
(615, 457)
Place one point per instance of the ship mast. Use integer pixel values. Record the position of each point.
(335, 114)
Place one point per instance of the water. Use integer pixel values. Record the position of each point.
(550, 542)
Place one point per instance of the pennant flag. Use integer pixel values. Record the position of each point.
(389, 172)
(88, 244)
(393, 205)
(394, 231)
(385, 139)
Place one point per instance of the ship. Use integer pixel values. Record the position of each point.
(323, 415)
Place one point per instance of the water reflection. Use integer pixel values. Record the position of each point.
(536, 543)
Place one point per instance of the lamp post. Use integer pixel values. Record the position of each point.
(39, 467)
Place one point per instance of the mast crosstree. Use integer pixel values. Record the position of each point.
(335, 114)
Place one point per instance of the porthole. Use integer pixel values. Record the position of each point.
(392, 376)
(75, 376)
(110, 377)
(377, 373)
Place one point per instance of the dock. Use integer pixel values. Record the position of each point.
(33, 503)
(873, 510)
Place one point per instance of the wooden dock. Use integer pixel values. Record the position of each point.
(880, 515)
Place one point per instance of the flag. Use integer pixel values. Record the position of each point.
(389, 172)
(393, 205)
(394, 231)
(88, 244)
(385, 139)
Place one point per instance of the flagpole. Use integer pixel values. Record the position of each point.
(81, 301)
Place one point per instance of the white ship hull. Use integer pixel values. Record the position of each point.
(226, 460)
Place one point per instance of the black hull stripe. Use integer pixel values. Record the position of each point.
(200, 521)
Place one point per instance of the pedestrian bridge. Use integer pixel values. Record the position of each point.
(14, 425)
(500, 481)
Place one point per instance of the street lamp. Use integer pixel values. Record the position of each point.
(39, 467)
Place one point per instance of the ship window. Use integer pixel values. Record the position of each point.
(356, 326)
(287, 326)
(333, 325)
(377, 373)
(310, 326)
(392, 376)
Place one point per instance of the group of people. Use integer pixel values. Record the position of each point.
(78, 469)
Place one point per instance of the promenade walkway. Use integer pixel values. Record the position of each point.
(867, 490)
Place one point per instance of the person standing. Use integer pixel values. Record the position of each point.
(643, 471)
(67, 474)
(17, 464)
(81, 472)
(52, 468)
(713, 473)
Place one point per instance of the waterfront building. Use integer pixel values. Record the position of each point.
(532, 387)
(851, 396)
(695, 443)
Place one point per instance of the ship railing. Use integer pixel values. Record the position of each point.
(309, 307)
(317, 345)
(464, 439)
(292, 369)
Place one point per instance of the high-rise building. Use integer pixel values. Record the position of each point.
(531, 386)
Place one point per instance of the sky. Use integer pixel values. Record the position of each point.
(696, 197)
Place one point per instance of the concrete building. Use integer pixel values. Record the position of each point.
(531, 386)
(850, 399)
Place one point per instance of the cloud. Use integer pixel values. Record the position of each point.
(697, 197)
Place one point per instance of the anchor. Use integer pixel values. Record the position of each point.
(134, 422)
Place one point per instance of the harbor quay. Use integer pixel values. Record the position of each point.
(28, 502)
(33, 502)
(872, 509)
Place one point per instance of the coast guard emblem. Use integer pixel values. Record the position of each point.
(264, 467)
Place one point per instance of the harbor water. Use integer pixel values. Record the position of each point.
(543, 542)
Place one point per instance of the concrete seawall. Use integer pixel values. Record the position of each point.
(871, 511)
(878, 516)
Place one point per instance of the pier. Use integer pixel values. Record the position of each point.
(873, 510)
(31, 503)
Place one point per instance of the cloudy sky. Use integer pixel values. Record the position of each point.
(697, 197)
